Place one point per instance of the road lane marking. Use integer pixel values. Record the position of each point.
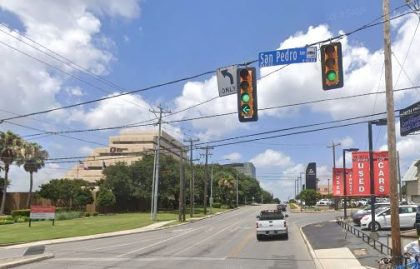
(157, 243)
(145, 259)
(239, 247)
(207, 238)
(122, 245)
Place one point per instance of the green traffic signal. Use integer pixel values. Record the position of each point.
(331, 75)
(246, 109)
(245, 97)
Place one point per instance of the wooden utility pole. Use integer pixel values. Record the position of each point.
(333, 152)
(156, 185)
(181, 216)
(192, 175)
(206, 178)
(392, 149)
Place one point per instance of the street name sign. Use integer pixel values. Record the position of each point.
(287, 56)
(226, 80)
(410, 119)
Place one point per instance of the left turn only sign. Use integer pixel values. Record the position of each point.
(226, 80)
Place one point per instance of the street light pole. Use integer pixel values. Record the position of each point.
(344, 179)
(371, 172)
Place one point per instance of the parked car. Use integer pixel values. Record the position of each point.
(359, 214)
(324, 202)
(407, 214)
(418, 217)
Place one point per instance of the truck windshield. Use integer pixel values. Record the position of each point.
(271, 216)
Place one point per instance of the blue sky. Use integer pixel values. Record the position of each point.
(136, 44)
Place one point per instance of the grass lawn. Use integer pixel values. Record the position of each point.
(42, 230)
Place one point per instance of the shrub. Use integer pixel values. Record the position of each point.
(217, 205)
(87, 214)
(68, 215)
(21, 219)
(21, 213)
(95, 214)
(292, 206)
(6, 220)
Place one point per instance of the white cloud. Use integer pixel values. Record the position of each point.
(272, 158)
(233, 157)
(346, 142)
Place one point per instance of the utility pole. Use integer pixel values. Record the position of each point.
(155, 199)
(192, 175)
(333, 151)
(237, 190)
(206, 178)
(392, 149)
(181, 216)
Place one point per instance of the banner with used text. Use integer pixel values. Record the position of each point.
(361, 173)
(338, 185)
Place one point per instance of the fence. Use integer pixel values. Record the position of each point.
(381, 247)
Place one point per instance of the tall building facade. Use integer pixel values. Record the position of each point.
(128, 148)
(246, 168)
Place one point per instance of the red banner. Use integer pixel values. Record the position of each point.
(361, 173)
(337, 184)
(381, 173)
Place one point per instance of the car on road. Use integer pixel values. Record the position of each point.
(407, 214)
(282, 207)
(359, 214)
(271, 223)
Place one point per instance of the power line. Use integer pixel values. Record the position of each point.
(170, 82)
(227, 113)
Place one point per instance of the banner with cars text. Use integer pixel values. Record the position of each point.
(338, 178)
(361, 173)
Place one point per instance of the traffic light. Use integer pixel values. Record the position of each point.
(247, 94)
(332, 66)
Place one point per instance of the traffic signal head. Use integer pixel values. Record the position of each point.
(247, 94)
(332, 66)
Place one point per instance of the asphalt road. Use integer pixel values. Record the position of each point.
(225, 241)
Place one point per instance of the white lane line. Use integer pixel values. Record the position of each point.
(207, 238)
(122, 245)
(145, 259)
(157, 243)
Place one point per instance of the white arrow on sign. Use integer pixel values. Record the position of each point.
(226, 80)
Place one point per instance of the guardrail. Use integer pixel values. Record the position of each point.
(381, 247)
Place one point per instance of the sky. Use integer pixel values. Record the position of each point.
(60, 53)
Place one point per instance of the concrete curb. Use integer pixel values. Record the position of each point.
(13, 262)
(311, 250)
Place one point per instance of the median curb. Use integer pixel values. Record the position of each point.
(13, 262)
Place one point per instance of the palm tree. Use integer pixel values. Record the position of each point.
(10, 144)
(226, 184)
(33, 158)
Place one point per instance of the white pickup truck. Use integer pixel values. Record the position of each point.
(271, 223)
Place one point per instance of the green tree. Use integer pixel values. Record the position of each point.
(226, 184)
(310, 196)
(10, 146)
(105, 198)
(33, 158)
(71, 193)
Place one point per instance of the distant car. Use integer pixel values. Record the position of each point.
(407, 214)
(282, 207)
(359, 214)
(324, 202)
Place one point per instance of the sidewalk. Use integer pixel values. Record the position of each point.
(332, 247)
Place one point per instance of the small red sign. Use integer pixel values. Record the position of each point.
(42, 209)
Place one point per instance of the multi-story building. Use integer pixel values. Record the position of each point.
(127, 147)
(247, 168)
(412, 182)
